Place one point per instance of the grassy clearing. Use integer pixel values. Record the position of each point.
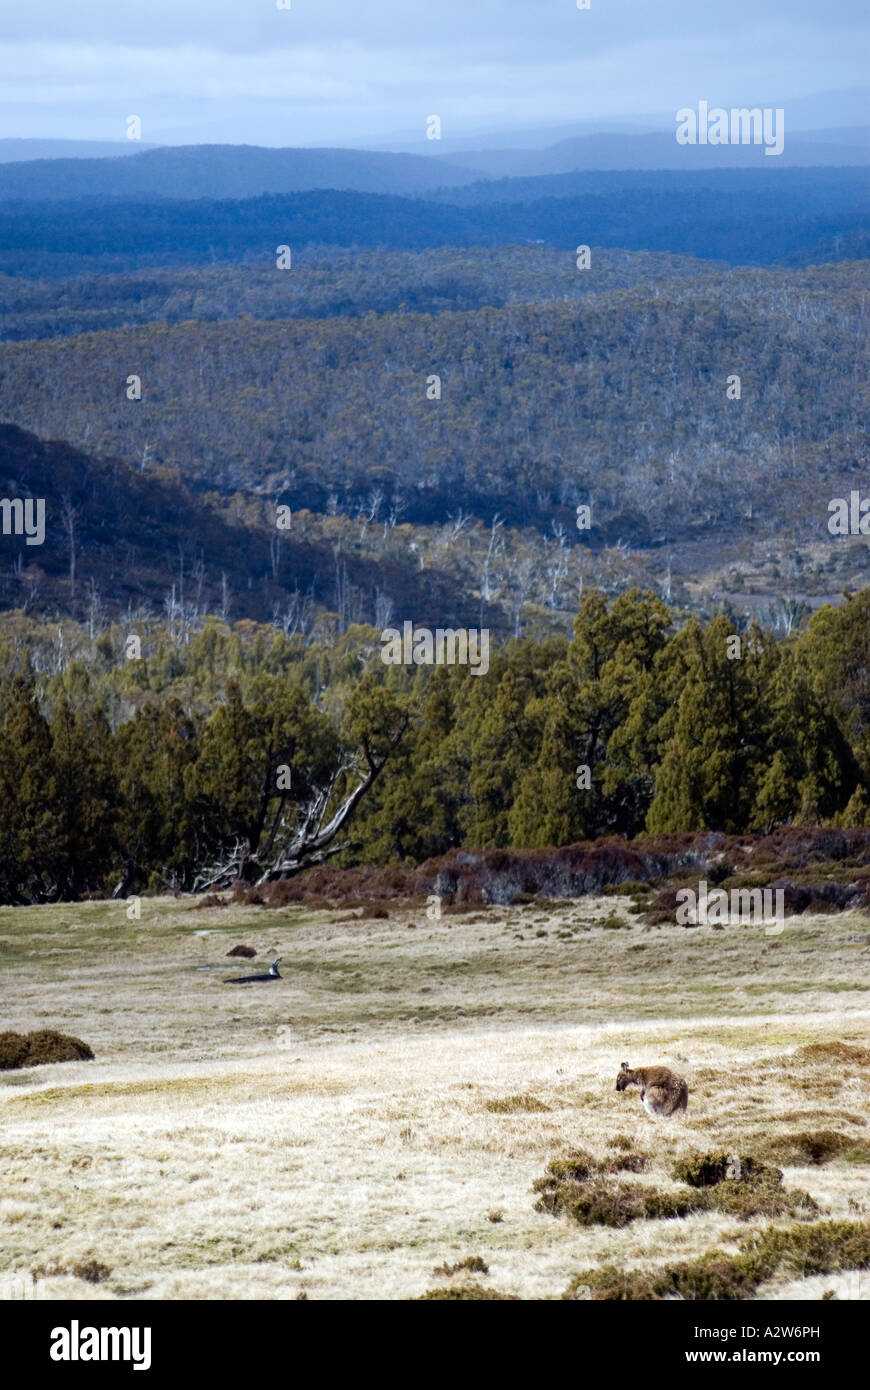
(385, 1110)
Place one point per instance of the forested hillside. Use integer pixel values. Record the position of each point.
(147, 772)
(614, 400)
(794, 216)
(126, 541)
(226, 171)
(338, 284)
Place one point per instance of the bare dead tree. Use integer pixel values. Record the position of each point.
(486, 591)
(296, 837)
(70, 516)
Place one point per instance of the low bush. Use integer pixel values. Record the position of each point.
(583, 1189)
(40, 1049)
(793, 1252)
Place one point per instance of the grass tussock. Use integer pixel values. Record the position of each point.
(835, 1052)
(89, 1271)
(465, 1293)
(472, 1264)
(816, 1148)
(40, 1048)
(824, 1247)
(513, 1105)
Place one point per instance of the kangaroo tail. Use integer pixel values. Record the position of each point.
(683, 1096)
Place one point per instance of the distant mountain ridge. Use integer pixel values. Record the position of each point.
(608, 150)
(249, 171)
(227, 171)
(13, 150)
(738, 216)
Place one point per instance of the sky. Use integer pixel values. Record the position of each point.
(373, 71)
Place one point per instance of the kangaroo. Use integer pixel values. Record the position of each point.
(661, 1090)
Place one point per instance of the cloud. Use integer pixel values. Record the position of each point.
(332, 67)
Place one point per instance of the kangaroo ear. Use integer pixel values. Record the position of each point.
(624, 1067)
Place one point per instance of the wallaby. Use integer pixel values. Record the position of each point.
(661, 1090)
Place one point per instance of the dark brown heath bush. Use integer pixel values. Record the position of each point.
(817, 1147)
(247, 951)
(663, 909)
(607, 864)
(210, 900)
(284, 893)
(246, 895)
(793, 1252)
(719, 871)
(465, 1293)
(367, 882)
(40, 1048)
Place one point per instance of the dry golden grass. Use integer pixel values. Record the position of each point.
(359, 1125)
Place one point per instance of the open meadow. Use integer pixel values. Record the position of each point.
(372, 1124)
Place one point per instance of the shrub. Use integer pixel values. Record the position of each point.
(706, 1170)
(581, 1187)
(604, 1203)
(797, 1251)
(40, 1048)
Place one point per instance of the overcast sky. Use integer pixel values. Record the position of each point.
(332, 71)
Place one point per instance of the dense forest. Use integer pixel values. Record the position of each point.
(615, 400)
(228, 752)
(741, 217)
(344, 284)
